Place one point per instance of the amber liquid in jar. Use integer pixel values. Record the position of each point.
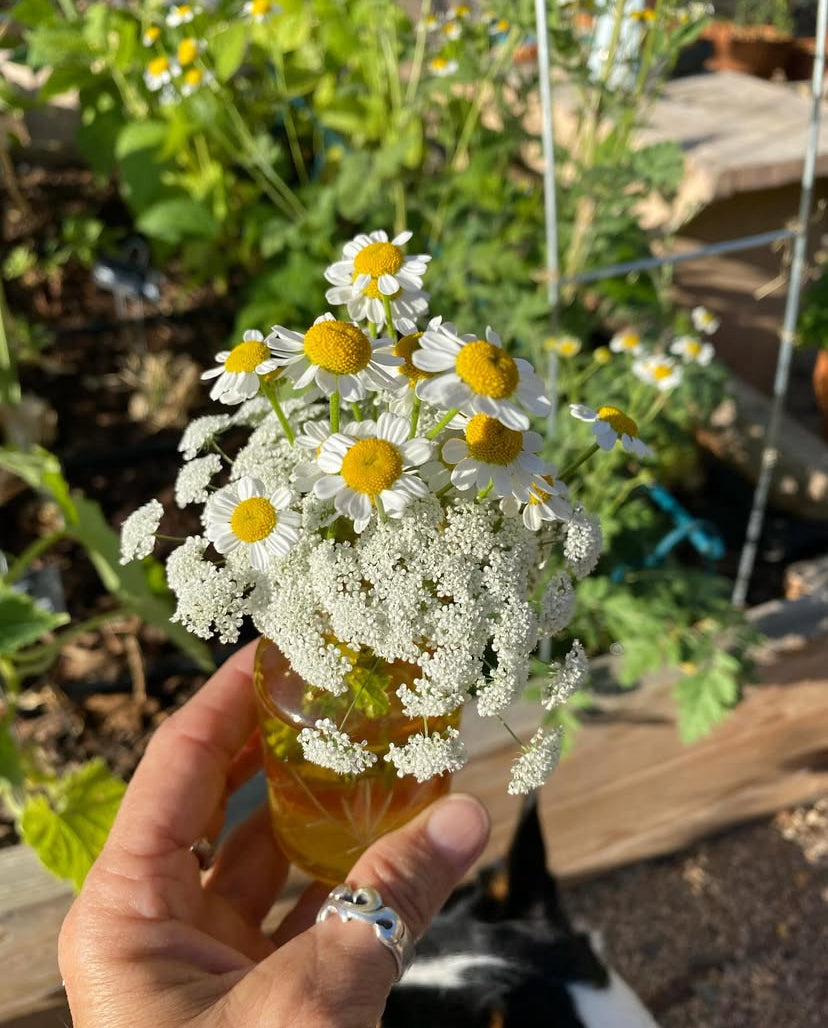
(322, 820)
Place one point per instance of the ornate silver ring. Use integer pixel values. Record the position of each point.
(365, 904)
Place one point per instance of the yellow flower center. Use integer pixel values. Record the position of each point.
(538, 495)
(462, 11)
(193, 77)
(152, 33)
(661, 371)
(621, 422)
(692, 348)
(371, 465)
(492, 442)
(603, 355)
(629, 341)
(568, 347)
(187, 51)
(372, 290)
(183, 10)
(246, 357)
(258, 8)
(158, 66)
(337, 347)
(501, 25)
(377, 259)
(488, 369)
(253, 519)
(406, 348)
(439, 63)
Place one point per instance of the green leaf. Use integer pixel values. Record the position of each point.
(707, 697)
(172, 220)
(22, 621)
(33, 12)
(227, 48)
(11, 767)
(67, 830)
(140, 135)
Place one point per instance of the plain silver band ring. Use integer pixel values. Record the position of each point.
(365, 904)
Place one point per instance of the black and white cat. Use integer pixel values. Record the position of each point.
(503, 954)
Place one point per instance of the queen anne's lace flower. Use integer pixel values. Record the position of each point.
(425, 756)
(337, 355)
(201, 432)
(536, 763)
(477, 376)
(138, 531)
(326, 746)
(211, 599)
(583, 544)
(566, 678)
(194, 478)
(372, 267)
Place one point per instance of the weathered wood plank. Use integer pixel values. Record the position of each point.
(629, 790)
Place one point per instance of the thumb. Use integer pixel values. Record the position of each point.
(339, 974)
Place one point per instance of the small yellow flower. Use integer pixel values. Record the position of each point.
(187, 51)
(151, 35)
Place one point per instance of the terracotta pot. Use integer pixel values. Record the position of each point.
(820, 381)
(758, 51)
(323, 820)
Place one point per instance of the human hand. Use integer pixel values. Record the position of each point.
(152, 941)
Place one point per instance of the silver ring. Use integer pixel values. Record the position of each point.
(204, 852)
(365, 904)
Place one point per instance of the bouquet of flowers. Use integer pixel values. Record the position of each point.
(389, 507)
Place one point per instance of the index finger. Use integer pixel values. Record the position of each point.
(181, 778)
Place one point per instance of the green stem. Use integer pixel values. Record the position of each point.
(31, 553)
(441, 424)
(69, 10)
(485, 492)
(290, 124)
(518, 740)
(357, 411)
(380, 510)
(9, 383)
(584, 457)
(335, 411)
(415, 416)
(270, 392)
(419, 54)
(389, 320)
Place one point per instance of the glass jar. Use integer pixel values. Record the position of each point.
(323, 820)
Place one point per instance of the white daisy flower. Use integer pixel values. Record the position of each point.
(236, 377)
(547, 502)
(704, 320)
(459, 11)
(693, 351)
(477, 376)
(181, 14)
(609, 424)
(442, 67)
(492, 455)
(537, 762)
(627, 341)
(373, 267)
(370, 471)
(336, 355)
(158, 73)
(662, 372)
(452, 30)
(431, 22)
(499, 27)
(138, 531)
(193, 79)
(151, 35)
(188, 50)
(564, 346)
(261, 10)
(243, 514)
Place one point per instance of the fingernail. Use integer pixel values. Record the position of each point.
(459, 827)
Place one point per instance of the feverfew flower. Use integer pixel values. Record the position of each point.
(452, 30)
(566, 678)
(477, 376)
(537, 762)
(242, 514)
(261, 10)
(372, 267)
(427, 755)
(193, 79)
(237, 379)
(704, 320)
(192, 484)
(564, 346)
(158, 73)
(369, 473)
(188, 50)
(627, 341)
(609, 424)
(181, 14)
(494, 457)
(442, 67)
(692, 351)
(602, 355)
(337, 355)
(662, 372)
(326, 746)
(547, 502)
(151, 35)
(138, 532)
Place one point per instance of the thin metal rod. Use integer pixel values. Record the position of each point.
(770, 454)
(647, 263)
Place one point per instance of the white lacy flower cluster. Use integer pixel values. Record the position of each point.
(391, 499)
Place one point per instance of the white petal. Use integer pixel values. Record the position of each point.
(330, 485)
(581, 412)
(455, 450)
(388, 285)
(392, 428)
(249, 486)
(417, 451)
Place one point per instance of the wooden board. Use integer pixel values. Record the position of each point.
(630, 790)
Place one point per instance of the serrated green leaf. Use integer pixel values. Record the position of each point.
(68, 829)
(140, 135)
(706, 698)
(22, 621)
(227, 48)
(173, 219)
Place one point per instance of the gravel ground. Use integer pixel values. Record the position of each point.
(729, 934)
